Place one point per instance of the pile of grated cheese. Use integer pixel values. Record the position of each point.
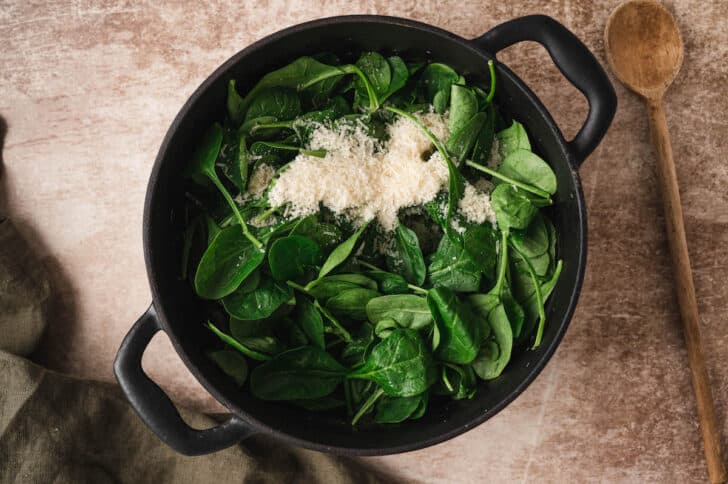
(362, 179)
(475, 205)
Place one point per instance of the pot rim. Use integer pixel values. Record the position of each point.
(546, 349)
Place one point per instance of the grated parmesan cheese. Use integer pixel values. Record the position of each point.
(362, 179)
(475, 206)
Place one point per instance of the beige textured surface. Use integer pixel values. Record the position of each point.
(87, 90)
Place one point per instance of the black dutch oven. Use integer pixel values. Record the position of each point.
(177, 311)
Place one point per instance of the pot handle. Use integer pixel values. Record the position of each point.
(154, 406)
(575, 62)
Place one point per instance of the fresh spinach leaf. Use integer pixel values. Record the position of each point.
(326, 288)
(385, 327)
(480, 242)
(400, 75)
(234, 158)
(351, 303)
(453, 267)
(277, 102)
(376, 68)
(459, 339)
(203, 164)
(459, 382)
(290, 257)
(360, 280)
(534, 240)
(512, 208)
(228, 260)
(511, 139)
(234, 343)
(303, 373)
(461, 142)
(491, 359)
(388, 283)
(355, 352)
(435, 83)
(302, 73)
(484, 142)
(341, 252)
(311, 322)
(531, 306)
(326, 235)
(527, 167)
(463, 106)
(409, 311)
(259, 303)
(401, 365)
(407, 258)
(396, 409)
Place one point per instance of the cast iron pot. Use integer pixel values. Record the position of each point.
(179, 313)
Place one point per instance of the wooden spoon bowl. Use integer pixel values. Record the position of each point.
(644, 47)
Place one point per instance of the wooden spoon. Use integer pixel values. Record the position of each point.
(645, 51)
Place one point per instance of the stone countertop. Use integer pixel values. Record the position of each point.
(88, 89)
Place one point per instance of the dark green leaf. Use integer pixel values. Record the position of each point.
(302, 373)
(435, 83)
(484, 142)
(341, 252)
(524, 166)
(480, 244)
(454, 268)
(302, 73)
(290, 257)
(260, 303)
(203, 165)
(463, 106)
(376, 68)
(534, 240)
(355, 352)
(396, 409)
(234, 343)
(351, 303)
(400, 75)
(511, 139)
(461, 142)
(241, 329)
(266, 345)
(228, 260)
(324, 234)
(407, 258)
(492, 360)
(459, 382)
(277, 102)
(401, 365)
(384, 328)
(360, 280)
(388, 282)
(512, 207)
(459, 339)
(409, 311)
(530, 306)
(311, 322)
(326, 288)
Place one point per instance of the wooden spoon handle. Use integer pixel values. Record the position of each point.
(685, 289)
